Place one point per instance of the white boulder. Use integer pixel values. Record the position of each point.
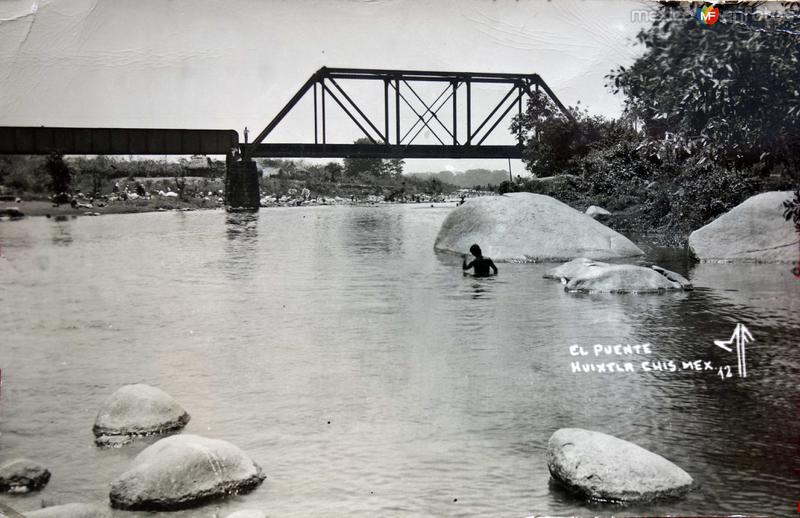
(526, 226)
(595, 211)
(71, 511)
(754, 230)
(572, 268)
(184, 471)
(604, 468)
(22, 476)
(620, 278)
(585, 275)
(137, 410)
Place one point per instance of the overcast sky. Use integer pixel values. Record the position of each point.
(231, 64)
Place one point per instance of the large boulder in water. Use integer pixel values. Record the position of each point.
(71, 511)
(184, 471)
(604, 468)
(526, 226)
(754, 230)
(572, 268)
(137, 410)
(585, 275)
(23, 475)
(620, 278)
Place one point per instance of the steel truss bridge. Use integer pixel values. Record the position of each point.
(392, 136)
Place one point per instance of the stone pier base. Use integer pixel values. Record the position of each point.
(241, 185)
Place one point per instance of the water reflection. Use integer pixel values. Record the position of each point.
(241, 245)
(480, 288)
(61, 231)
(372, 230)
(242, 225)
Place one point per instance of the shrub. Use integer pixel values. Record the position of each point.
(707, 191)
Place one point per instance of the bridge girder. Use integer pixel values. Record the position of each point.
(33, 140)
(382, 151)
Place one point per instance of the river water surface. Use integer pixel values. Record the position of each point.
(368, 377)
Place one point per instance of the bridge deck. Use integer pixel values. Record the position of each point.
(42, 140)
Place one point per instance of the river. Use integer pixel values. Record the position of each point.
(368, 377)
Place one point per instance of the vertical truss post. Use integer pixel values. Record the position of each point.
(316, 140)
(536, 133)
(519, 115)
(397, 108)
(469, 111)
(322, 80)
(386, 110)
(455, 111)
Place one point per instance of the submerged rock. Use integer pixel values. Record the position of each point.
(22, 476)
(137, 410)
(71, 511)
(620, 278)
(572, 268)
(674, 277)
(184, 471)
(604, 468)
(526, 226)
(754, 230)
(585, 275)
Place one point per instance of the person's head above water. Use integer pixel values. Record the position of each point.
(475, 250)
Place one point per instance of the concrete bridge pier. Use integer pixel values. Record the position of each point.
(241, 185)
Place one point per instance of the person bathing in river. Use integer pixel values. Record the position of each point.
(480, 264)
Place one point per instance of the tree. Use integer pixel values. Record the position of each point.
(180, 176)
(792, 210)
(23, 173)
(334, 171)
(369, 166)
(553, 142)
(60, 175)
(393, 168)
(434, 186)
(728, 92)
(99, 169)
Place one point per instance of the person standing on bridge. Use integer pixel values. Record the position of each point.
(481, 264)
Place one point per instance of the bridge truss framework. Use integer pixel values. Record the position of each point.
(398, 86)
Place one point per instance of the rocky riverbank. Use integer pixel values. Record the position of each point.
(48, 208)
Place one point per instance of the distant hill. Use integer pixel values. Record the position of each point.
(468, 178)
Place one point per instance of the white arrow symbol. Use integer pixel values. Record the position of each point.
(741, 335)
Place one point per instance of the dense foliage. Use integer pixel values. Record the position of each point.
(354, 167)
(792, 210)
(60, 175)
(712, 116)
(728, 92)
(381, 179)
